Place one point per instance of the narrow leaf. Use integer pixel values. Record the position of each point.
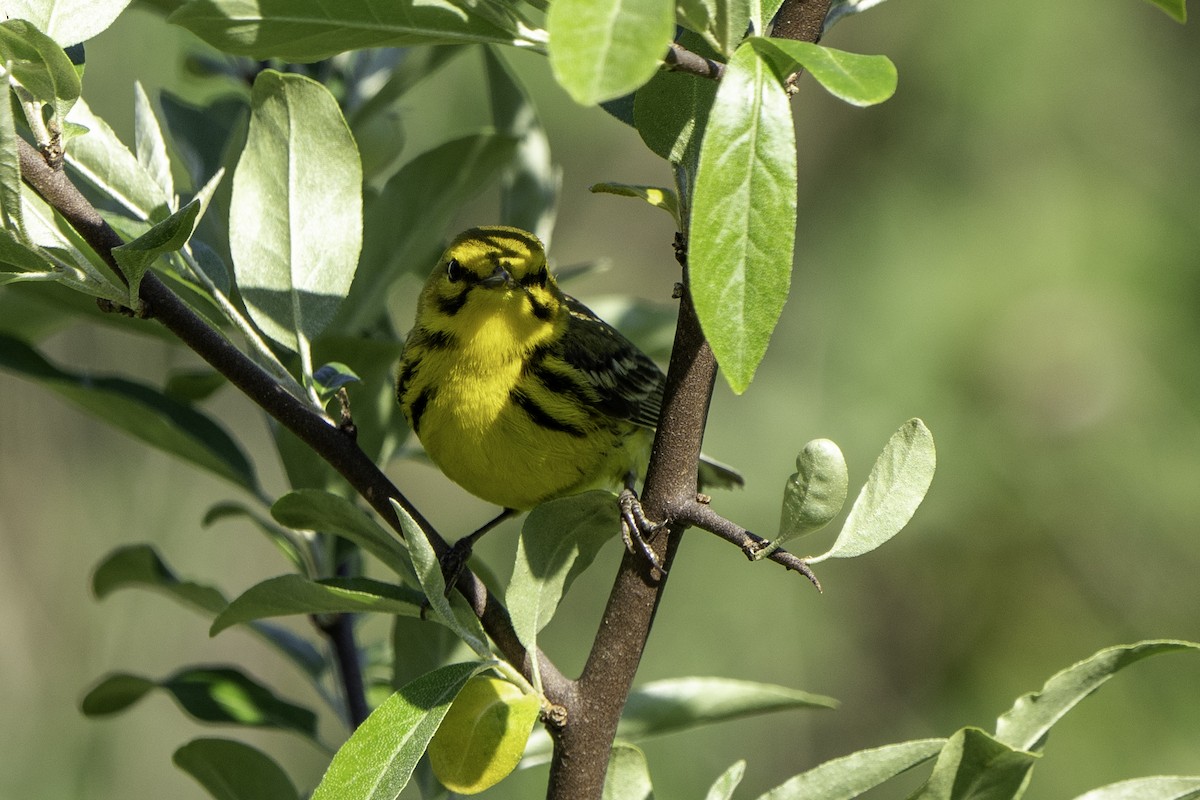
(656, 196)
(68, 22)
(377, 761)
(20, 259)
(482, 738)
(148, 141)
(678, 704)
(171, 234)
(850, 776)
(230, 770)
(292, 594)
(974, 766)
(139, 410)
(722, 788)
(743, 221)
(1162, 787)
(1176, 9)
(296, 212)
(309, 30)
(559, 540)
(209, 694)
(38, 63)
(105, 162)
(893, 491)
(628, 774)
(857, 79)
(313, 509)
(139, 565)
(11, 216)
(602, 50)
(1026, 725)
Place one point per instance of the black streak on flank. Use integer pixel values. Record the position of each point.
(418, 408)
(539, 416)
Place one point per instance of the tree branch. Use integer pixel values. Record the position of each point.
(333, 445)
(803, 20)
(680, 59)
(700, 515)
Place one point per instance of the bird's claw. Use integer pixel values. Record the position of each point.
(637, 528)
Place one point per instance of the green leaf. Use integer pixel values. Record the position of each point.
(483, 736)
(21, 258)
(429, 573)
(602, 50)
(377, 761)
(140, 565)
(105, 162)
(656, 196)
(1176, 9)
(559, 540)
(209, 694)
(282, 539)
(68, 22)
(148, 141)
(295, 223)
(293, 594)
(974, 766)
(813, 495)
(333, 376)
(722, 788)
(678, 704)
(194, 385)
(628, 774)
(670, 114)
(849, 776)
(857, 79)
(140, 411)
(461, 169)
(230, 770)
(530, 184)
(309, 30)
(1026, 725)
(1161, 787)
(171, 234)
(11, 214)
(313, 509)
(38, 63)
(893, 491)
(743, 220)
(722, 23)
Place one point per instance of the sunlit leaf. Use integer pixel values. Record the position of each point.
(292, 594)
(857, 79)
(850, 776)
(723, 787)
(974, 766)
(67, 21)
(1176, 9)
(38, 63)
(814, 494)
(1161, 787)
(628, 774)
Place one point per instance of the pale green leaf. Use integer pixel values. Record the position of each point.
(38, 63)
(168, 236)
(309, 30)
(974, 766)
(849, 776)
(1176, 9)
(657, 196)
(149, 143)
(230, 770)
(603, 49)
(1026, 725)
(313, 509)
(377, 761)
(67, 22)
(558, 542)
(893, 491)
(813, 495)
(295, 222)
(140, 565)
(17, 259)
(628, 774)
(209, 694)
(11, 216)
(857, 79)
(105, 162)
(723, 786)
(141, 411)
(1160, 787)
(743, 221)
(292, 594)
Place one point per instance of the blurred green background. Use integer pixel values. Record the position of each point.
(1009, 249)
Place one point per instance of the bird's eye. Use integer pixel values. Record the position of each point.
(454, 270)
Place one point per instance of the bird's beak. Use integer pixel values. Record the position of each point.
(498, 278)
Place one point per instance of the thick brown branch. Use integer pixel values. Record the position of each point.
(328, 441)
(680, 59)
(803, 20)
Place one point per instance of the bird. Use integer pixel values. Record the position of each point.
(518, 392)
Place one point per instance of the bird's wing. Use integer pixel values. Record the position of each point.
(629, 385)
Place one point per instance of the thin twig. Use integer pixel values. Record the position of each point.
(702, 516)
(680, 59)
